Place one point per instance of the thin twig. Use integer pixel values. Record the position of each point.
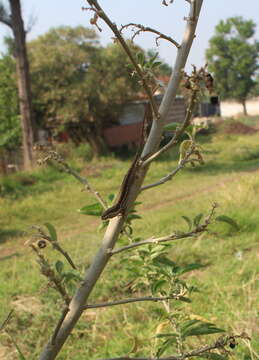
(6, 320)
(85, 182)
(49, 273)
(126, 301)
(82, 180)
(219, 344)
(149, 29)
(56, 246)
(100, 12)
(54, 155)
(169, 176)
(174, 236)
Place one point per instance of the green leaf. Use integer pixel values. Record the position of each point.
(68, 276)
(93, 209)
(158, 285)
(197, 219)
(52, 231)
(156, 64)
(133, 217)
(171, 126)
(165, 261)
(197, 327)
(141, 58)
(185, 299)
(165, 346)
(59, 266)
(189, 267)
(111, 197)
(188, 221)
(162, 335)
(228, 220)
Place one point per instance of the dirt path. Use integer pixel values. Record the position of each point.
(15, 247)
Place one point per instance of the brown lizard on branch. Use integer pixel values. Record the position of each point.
(122, 203)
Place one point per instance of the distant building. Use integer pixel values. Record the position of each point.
(129, 130)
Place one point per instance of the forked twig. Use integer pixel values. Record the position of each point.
(100, 12)
(142, 28)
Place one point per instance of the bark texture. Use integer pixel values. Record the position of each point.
(23, 81)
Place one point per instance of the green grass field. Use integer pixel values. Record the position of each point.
(228, 285)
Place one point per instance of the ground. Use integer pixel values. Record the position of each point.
(228, 284)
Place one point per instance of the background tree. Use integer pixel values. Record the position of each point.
(233, 58)
(13, 19)
(98, 82)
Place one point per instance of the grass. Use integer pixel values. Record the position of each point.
(228, 285)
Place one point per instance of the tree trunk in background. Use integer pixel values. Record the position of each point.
(243, 102)
(23, 79)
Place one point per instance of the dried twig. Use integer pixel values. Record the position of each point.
(149, 29)
(6, 320)
(47, 271)
(53, 155)
(55, 245)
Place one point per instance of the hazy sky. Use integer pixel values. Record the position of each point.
(169, 20)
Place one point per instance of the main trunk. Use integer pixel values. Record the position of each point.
(243, 102)
(23, 80)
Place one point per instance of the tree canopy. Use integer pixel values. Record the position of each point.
(78, 86)
(76, 81)
(233, 58)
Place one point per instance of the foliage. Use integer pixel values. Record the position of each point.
(72, 58)
(227, 284)
(233, 58)
(10, 131)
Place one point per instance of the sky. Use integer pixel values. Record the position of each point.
(168, 20)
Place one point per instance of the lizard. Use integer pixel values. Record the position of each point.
(120, 206)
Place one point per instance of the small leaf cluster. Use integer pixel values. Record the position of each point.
(185, 329)
(148, 67)
(69, 278)
(155, 272)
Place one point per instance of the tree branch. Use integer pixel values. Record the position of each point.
(55, 246)
(5, 18)
(53, 155)
(174, 236)
(219, 344)
(115, 226)
(99, 11)
(127, 301)
(169, 176)
(47, 271)
(149, 29)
